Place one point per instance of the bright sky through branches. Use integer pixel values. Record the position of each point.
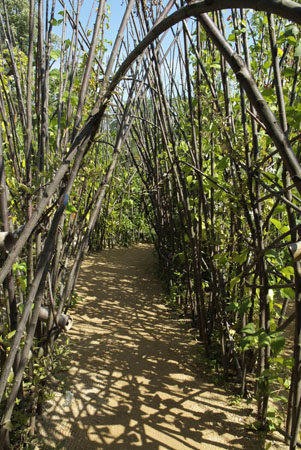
(116, 9)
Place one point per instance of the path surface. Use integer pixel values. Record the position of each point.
(132, 372)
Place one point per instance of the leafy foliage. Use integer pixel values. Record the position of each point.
(181, 158)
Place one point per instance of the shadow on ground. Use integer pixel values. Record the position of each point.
(130, 370)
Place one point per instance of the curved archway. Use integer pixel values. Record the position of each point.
(82, 141)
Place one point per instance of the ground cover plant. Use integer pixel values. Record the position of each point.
(184, 131)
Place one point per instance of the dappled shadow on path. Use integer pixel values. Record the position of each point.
(130, 370)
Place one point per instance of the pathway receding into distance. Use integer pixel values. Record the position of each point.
(132, 370)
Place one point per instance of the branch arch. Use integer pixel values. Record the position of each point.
(285, 8)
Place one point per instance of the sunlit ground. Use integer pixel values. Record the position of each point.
(131, 370)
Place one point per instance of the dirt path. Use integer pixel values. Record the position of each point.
(132, 372)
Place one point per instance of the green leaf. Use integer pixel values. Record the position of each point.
(249, 328)
(268, 92)
(70, 209)
(272, 254)
(189, 179)
(288, 72)
(291, 40)
(248, 341)
(10, 377)
(244, 306)
(267, 65)
(277, 223)
(279, 209)
(263, 339)
(288, 271)
(288, 292)
(279, 359)
(11, 334)
(271, 412)
(25, 188)
(54, 54)
(291, 30)
(55, 73)
(233, 306)
(234, 281)
(277, 342)
(241, 257)
(20, 266)
(297, 53)
(223, 163)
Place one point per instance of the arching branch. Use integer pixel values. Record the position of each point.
(82, 142)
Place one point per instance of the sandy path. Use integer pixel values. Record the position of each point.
(131, 370)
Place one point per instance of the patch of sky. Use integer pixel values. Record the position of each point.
(114, 13)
